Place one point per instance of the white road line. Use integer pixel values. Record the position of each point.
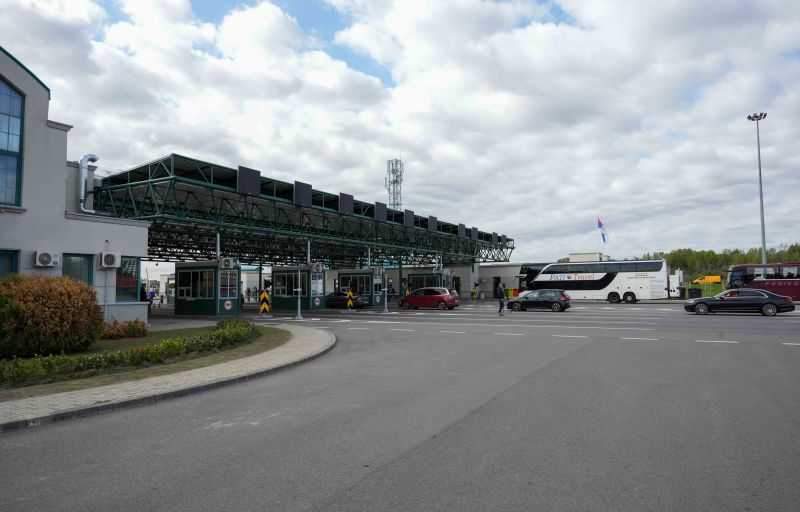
(795, 344)
(453, 332)
(358, 328)
(714, 341)
(641, 339)
(405, 330)
(567, 336)
(509, 333)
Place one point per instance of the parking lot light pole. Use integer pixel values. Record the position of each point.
(757, 118)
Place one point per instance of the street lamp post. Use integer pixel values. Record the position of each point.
(757, 118)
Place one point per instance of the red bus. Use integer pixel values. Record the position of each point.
(780, 278)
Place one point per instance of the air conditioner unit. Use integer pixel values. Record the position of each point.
(110, 259)
(228, 263)
(46, 259)
(317, 267)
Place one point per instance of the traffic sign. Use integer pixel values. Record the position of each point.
(264, 308)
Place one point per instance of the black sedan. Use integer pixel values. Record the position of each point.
(741, 300)
(554, 300)
(339, 300)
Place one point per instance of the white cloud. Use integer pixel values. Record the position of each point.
(505, 119)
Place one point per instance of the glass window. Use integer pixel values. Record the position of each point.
(78, 267)
(196, 284)
(766, 273)
(751, 293)
(8, 262)
(128, 280)
(228, 287)
(10, 142)
(285, 284)
(648, 266)
(791, 272)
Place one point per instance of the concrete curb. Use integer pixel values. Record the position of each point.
(158, 397)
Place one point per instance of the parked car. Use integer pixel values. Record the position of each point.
(339, 300)
(741, 300)
(432, 297)
(555, 300)
(708, 280)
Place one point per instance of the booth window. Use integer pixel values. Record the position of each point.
(358, 284)
(285, 284)
(78, 267)
(10, 144)
(8, 262)
(228, 288)
(128, 280)
(196, 284)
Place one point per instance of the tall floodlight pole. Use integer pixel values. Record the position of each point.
(393, 181)
(757, 118)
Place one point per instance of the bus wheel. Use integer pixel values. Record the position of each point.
(629, 298)
(769, 310)
(613, 297)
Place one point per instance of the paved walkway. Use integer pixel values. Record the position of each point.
(306, 343)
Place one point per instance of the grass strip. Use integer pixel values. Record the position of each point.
(267, 338)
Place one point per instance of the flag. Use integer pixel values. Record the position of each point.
(602, 227)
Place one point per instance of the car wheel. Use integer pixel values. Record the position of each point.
(556, 306)
(516, 306)
(441, 306)
(769, 310)
(629, 298)
(701, 309)
(405, 305)
(613, 298)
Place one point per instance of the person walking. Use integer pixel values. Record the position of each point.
(143, 298)
(501, 298)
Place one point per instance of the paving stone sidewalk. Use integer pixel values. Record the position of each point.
(306, 343)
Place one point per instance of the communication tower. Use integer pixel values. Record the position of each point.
(393, 182)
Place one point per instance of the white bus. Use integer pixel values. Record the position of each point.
(613, 281)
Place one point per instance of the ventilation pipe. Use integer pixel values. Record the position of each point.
(83, 178)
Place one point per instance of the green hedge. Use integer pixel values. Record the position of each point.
(24, 371)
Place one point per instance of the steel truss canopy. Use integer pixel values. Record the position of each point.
(265, 221)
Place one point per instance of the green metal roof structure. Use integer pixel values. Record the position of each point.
(265, 221)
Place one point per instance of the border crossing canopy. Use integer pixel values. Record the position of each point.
(265, 221)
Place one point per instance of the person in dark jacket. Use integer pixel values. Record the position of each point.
(501, 297)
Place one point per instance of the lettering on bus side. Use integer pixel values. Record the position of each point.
(571, 277)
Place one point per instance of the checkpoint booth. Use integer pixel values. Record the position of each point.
(434, 278)
(207, 288)
(310, 279)
(362, 281)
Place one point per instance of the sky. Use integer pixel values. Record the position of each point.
(519, 117)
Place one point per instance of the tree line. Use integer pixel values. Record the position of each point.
(700, 263)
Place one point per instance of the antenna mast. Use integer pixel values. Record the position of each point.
(393, 181)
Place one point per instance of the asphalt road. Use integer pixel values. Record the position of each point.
(617, 408)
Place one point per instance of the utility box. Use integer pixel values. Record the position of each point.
(204, 288)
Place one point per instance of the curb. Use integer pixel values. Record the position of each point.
(138, 402)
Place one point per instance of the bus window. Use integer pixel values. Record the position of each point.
(791, 272)
(766, 273)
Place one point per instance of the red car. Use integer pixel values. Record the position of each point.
(439, 298)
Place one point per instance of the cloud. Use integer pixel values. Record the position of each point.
(517, 117)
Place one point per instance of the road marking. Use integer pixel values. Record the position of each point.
(714, 341)
(453, 332)
(795, 344)
(567, 336)
(641, 339)
(405, 330)
(508, 334)
(358, 328)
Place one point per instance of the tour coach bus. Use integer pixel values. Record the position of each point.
(613, 281)
(780, 278)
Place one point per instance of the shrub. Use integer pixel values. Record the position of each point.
(131, 329)
(46, 315)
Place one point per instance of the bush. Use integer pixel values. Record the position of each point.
(23, 371)
(132, 329)
(47, 315)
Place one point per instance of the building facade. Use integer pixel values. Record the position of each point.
(43, 228)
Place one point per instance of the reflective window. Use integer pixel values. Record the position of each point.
(766, 273)
(8, 262)
(790, 272)
(196, 284)
(78, 267)
(10, 143)
(751, 293)
(128, 280)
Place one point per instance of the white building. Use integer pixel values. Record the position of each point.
(43, 227)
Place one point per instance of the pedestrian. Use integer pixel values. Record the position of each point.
(501, 298)
(143, 298)
(161, 300)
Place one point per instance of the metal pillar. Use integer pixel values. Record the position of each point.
(299, 289)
